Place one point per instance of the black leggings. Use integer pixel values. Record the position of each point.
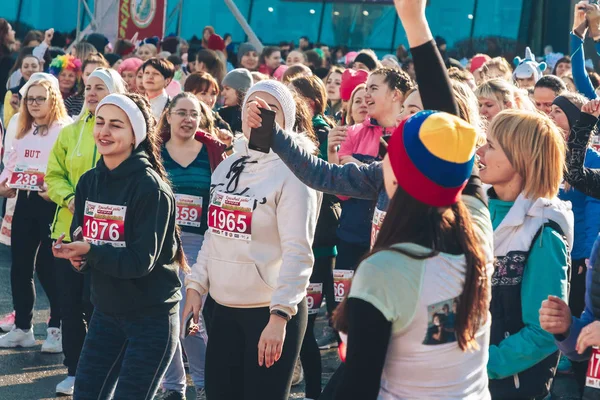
(310, 355)
(232, 370)
(31, 249)
(577, 305)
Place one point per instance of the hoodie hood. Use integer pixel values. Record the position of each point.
(545, 209)
(138, 160)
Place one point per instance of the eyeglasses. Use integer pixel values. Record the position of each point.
(183, 114)
(38, 100)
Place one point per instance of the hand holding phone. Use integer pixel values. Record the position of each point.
(261, 138)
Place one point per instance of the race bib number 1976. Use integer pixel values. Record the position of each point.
(104, 224)
(230, 216)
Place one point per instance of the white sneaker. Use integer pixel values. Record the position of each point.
(53, 342)
(18, 338)
(67, 386)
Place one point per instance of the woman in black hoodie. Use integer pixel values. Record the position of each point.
(124, 235)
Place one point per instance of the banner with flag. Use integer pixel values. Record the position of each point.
(144, 17)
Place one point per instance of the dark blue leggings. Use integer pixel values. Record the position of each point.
(135, 351)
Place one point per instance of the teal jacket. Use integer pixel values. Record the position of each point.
(546, 273)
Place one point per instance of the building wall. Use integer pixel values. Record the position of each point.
(355, 25)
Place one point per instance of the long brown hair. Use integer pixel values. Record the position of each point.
(312, 88)
(206, 123)
(303, 122)
(450, 231)
(57, 110)
(152, 146)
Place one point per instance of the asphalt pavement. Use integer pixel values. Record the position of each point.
(27, 374)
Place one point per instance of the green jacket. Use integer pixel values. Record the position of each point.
(73, 154)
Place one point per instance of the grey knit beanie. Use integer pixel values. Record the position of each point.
(244, 49)
(283, 96)
(239, 79)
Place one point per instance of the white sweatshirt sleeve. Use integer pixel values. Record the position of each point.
(10, 160)
(198, 277)
(296, 221)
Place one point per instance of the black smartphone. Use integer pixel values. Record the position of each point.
(383, 144)
(78, 235)
(189, 325)
(260, 138)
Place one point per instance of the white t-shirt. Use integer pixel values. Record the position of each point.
(418, 296)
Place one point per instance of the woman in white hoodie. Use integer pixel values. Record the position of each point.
(41, 117)
(255, 262)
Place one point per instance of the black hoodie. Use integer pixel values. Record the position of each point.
(141, 277)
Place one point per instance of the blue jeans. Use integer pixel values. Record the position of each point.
(194, 345)
(124, 358)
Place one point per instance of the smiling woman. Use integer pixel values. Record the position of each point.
(73, 154)
(68, 71)
(41, 117)
(133, 260)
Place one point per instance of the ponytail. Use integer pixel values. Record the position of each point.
(151, 145)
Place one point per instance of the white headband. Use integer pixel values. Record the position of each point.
(39, 76)
(106, 76)
(133, 112)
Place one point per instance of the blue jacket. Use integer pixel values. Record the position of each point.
(580, 75)
(567, 344)
(586, 211)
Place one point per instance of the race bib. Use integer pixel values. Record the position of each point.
(596, 142)
(593, 372)
(378, 217)
(189, 210)
(314, 297)
(104, 224)
(230, 216)
(28, 177)
(342, 280)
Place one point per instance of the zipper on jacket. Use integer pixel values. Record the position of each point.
(94, 156)
(515, 376)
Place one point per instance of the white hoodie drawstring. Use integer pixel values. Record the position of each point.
(77, 146)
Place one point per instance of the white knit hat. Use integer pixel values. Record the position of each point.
(282, 94)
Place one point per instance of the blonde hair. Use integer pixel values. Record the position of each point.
(499, 90)
(578, 100)
(151, 47)
(349, 118)
(534, 147)
(57, 111)
(468, 108)
(501, 65)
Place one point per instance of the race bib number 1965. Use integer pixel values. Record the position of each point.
(104, 224)
(230, 216)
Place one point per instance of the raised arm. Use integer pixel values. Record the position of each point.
(583, 179)
(432, 76)
(580, 75)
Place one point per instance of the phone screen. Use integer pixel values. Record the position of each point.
(78, 235)
(260, 138)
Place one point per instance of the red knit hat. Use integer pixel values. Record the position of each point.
(478, 60)
(432, 155)
(350, 80)
(216, 43)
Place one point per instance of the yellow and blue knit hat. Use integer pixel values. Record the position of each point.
(432, 155)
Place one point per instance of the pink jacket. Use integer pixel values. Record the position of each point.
(32, 149)
(362, 139)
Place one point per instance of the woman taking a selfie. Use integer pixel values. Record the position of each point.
(256, 261)
(41, 118)
(189, 156)
(133, 260)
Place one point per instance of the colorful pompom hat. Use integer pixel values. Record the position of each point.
(432, 155)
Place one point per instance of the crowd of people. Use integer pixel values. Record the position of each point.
(423, 202)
